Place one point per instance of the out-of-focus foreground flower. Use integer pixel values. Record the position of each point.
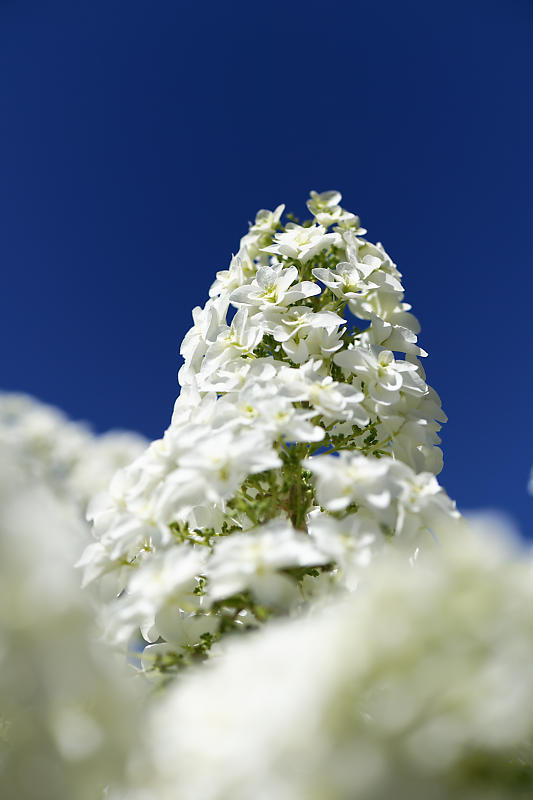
(419, 685)
(67, 709)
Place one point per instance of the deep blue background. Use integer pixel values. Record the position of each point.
(138, 138)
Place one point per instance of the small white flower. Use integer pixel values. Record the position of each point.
(312, 344)
(221, 455)
(207, 323)
(303, 332)
(302, 243)
(166, 577)
(326, 209)
(232, 342)
(261, 230)
(422, 502)
(273, 286)
(351, 542)
(384, 376)
(353, 280)
(300, 320)
(353, 478)
(241, 269)
(252, 561)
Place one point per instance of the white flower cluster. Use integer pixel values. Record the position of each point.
(418, 687)
(300, 465)
(304, 351)
(68, 713)
(65, 455)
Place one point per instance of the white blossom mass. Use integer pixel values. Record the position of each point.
(305, 613)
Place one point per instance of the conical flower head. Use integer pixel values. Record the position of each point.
(303, 438)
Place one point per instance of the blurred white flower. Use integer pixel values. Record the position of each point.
(74, 463)
(417, 686)
(252, 561)
(68, 711)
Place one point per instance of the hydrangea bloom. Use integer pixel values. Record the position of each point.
(304, 352)
(418, 687)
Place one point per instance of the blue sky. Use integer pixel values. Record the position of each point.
(138, 138)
